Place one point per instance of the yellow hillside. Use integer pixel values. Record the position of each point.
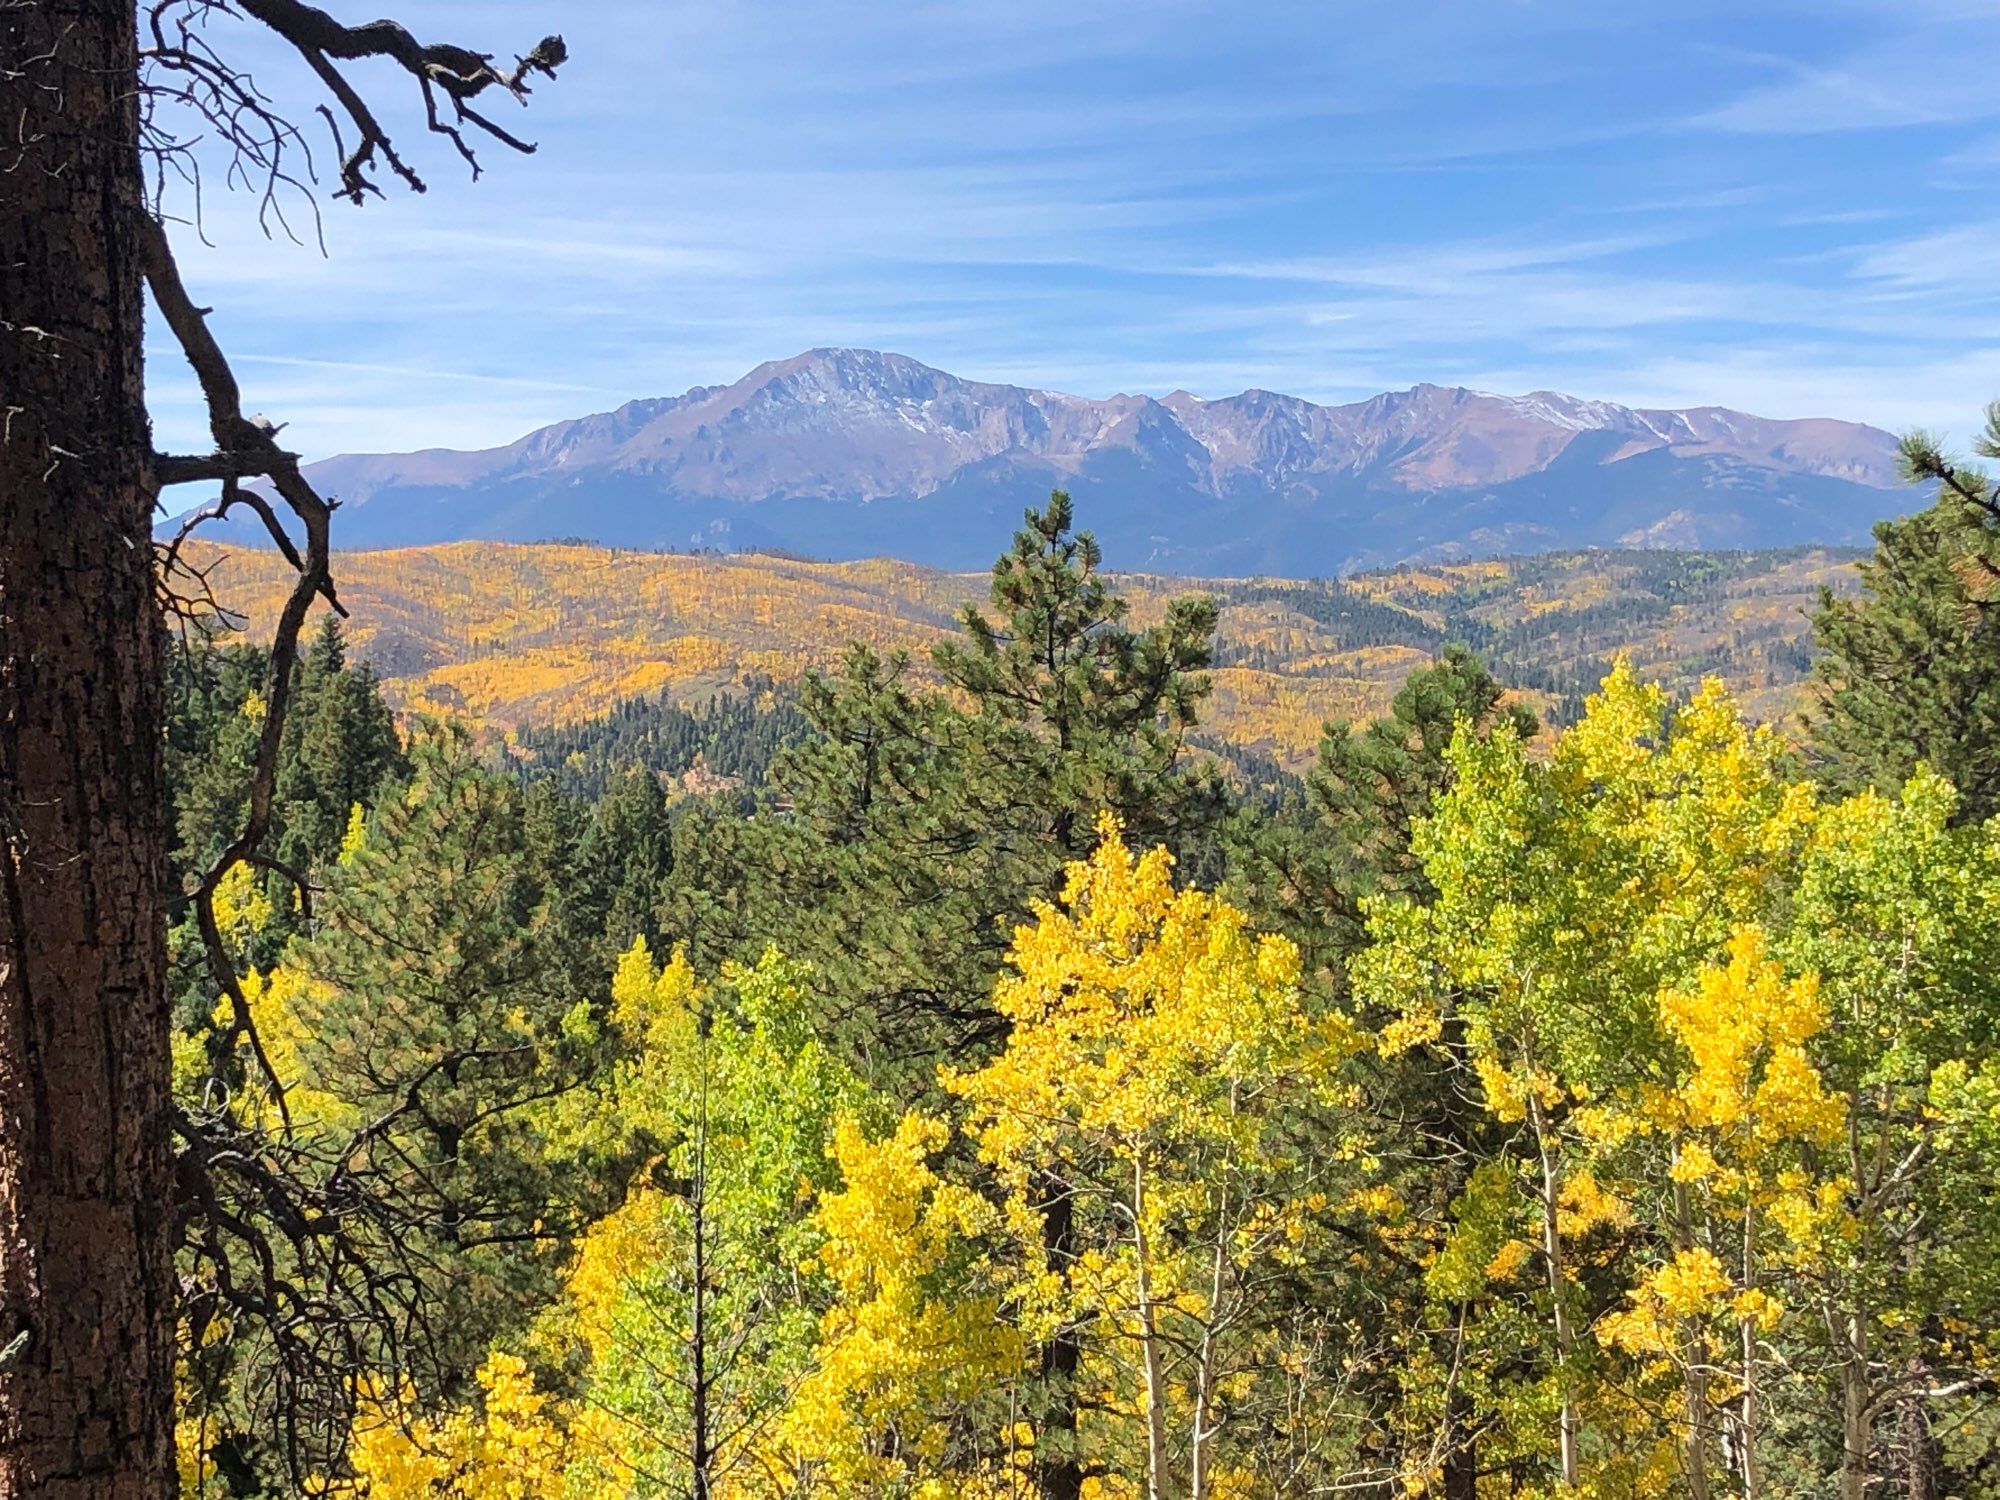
(511, 634)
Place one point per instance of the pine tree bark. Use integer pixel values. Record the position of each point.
(86, 1321)
(1058, 1467)
(1919, 1454)
(1461, 1457)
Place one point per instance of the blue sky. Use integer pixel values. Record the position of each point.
(1789, 208)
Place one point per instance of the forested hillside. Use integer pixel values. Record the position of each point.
(546, 634)
(958, 1091)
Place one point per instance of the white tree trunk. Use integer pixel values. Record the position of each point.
(1159, 1480)
(1569, 1430)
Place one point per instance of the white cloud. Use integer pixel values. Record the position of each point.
(1964, 259)
(1901, 74)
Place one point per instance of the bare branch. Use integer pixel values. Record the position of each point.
(301, 1230)
(192, 468)
(236, 434)
(459, 73)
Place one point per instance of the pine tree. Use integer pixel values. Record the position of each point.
(1309, 873)
(338, 748)
(900, 844)
(1088, 714)
(86, 1177)
(340, 745)
(628, 851)
(428, 1030)
(1909, 673)
(90, 1188)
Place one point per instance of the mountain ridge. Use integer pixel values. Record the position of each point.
(847, 453)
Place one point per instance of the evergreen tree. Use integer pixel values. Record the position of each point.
(628, 851)
(427, 1022)
(734, 738)
(1308, 873)
(1909, 673)
(86, 1171)
(338, 748)
(340, 744)
(601, 865)
(898, 847)
(901, 846)
(1079, 710)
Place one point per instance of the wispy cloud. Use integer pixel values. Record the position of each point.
(1964, 258)
(1424, 268)
(1140, 194)
(1896, 74)
(414, 372)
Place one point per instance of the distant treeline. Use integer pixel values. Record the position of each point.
(731, 735)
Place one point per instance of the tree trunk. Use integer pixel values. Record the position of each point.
(1918, 1453)
(86, 1290)
(1461, 1452)
(1058, 1466)
(1200, 1459)
(1695, 1354)
(1569, 1429)
(1749, 1413)
(701, 1441)
(1855, 1418)
(1159, 1472)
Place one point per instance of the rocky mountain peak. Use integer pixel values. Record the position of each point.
(790, 453)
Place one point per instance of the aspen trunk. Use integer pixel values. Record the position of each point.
(1695, 1353)
(701, 1445)
(1159, 1475)
(1569, 1431)
(86, 1288)
(1854, 1414)
(1748, 1414)
(1199, 1463)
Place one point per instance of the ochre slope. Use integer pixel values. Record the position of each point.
(510, 634)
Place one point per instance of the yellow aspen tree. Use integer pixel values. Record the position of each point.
(1156, 1045)
(514, 1442)
(1731, 1138)
(1896, 908)
(693, 1307)
(915, 1366)
(1569, 892)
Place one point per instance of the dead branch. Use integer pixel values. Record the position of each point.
(458, 73)
(302, 1233)
(245, 447)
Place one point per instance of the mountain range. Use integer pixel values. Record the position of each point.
(849, 453)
